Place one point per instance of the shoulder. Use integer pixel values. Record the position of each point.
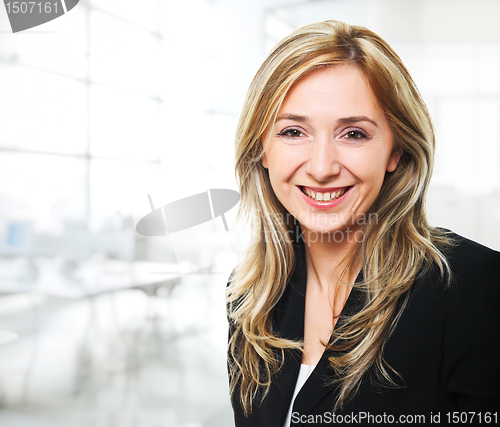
(465, 299)
(450, 328)
(461, 313)
(474, 272)
(474, 291)
(468, 257)
(471, 341)
(475, 278)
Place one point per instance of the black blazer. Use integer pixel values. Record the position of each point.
(445, 346)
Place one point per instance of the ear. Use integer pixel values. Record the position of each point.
(392, 164)
(264, 161)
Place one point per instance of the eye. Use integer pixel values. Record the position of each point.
(355, 134)
(291, 133)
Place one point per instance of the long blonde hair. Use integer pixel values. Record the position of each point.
(395, 248)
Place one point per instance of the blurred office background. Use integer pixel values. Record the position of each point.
(118, 100)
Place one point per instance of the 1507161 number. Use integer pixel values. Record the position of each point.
(31, 7)
(472, 417)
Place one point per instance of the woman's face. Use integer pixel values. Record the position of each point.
(329, 149)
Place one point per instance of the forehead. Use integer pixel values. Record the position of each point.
(338, 86)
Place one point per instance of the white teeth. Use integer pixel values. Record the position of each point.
(324, 197)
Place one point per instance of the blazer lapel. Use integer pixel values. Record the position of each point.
(288, 322)
(316, 387)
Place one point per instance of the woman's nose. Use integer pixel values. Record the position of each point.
(324, 159)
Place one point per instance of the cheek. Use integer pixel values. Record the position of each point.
(368, 167)
(278, 180)
(283, 162)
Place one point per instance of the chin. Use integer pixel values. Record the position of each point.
(323, 229)
(337, 233)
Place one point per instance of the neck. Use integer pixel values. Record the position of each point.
(326, 256)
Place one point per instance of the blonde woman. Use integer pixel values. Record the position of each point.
(348, 307)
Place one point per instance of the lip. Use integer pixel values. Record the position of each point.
(324, 189)
(324, 205)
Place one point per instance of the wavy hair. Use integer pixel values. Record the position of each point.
(395, 249)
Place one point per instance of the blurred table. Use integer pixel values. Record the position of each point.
(47, 276)
(63, 278)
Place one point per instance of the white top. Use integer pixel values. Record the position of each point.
(305, 371)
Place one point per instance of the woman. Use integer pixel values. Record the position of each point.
(348, 307)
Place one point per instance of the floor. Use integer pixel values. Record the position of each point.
(125, 359)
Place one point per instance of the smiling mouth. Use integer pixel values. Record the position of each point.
(326, 196)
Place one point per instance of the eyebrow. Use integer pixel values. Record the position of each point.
(355, 119)
(294, 117)
(345, 120)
